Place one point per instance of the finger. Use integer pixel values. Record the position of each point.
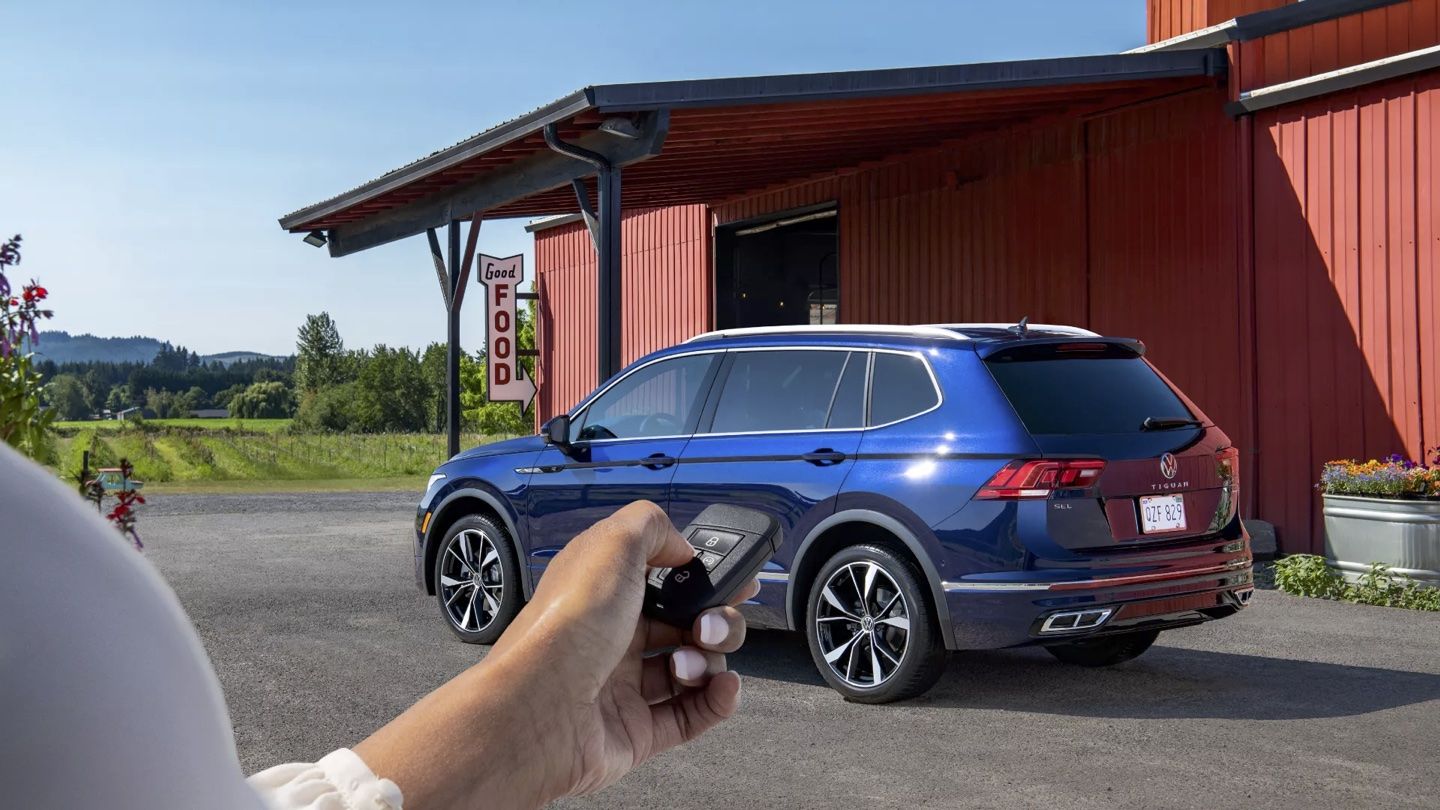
(695, 712)
(660, 636)
(745, 594)
(661, 545)
(692, 666)
(657, 685)
(721, 629)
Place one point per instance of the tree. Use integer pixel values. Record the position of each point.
(223, 397)
(329, 411)
(68, 397)
(192, 400)
(320, 354)
(119, 398)
(390, 392)
(263, 400)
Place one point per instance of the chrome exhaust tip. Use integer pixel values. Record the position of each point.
(1073, 620)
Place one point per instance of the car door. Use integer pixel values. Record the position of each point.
(779, 434)
(623, 446)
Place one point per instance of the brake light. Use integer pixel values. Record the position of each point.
(1040, 479)
(1228, 466)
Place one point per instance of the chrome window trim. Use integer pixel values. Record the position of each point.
(934, 383)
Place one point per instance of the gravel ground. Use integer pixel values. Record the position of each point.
(307, 606)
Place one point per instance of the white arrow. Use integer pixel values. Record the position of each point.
(524, 386)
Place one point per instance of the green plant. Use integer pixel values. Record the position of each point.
(23, 420)
(1309, 575)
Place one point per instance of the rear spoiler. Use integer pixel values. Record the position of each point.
(1052, 347)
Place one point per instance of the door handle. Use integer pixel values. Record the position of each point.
(658, 461)
(824, 457)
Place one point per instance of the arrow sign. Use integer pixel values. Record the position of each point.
(505, 377)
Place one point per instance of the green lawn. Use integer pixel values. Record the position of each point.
(214, 455)
(260, 425)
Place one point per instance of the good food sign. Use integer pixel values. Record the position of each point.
(505, 377)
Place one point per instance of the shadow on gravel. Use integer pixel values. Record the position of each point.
(1165, 683)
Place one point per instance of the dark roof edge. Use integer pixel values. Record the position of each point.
(778, 89)
(512, 130)
(845, 85)
(1264, 23)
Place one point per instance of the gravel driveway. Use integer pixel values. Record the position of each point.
(307, 606)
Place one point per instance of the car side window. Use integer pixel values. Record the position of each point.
(778, 390)
(900, 387)
(848, 409)
(657, 400)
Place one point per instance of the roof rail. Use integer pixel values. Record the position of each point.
(1033, 327)
(833, 329)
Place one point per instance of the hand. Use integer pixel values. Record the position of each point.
(568, 700)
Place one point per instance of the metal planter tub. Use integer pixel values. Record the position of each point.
(1402, 534)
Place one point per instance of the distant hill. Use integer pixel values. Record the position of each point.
(63, 347)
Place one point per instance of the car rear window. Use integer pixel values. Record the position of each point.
(1078, 394)
(900, 387)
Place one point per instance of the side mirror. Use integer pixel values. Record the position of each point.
(557, 431)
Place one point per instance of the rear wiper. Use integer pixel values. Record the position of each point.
(1168, 423)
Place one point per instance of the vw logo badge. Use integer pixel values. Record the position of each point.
(1169, 465)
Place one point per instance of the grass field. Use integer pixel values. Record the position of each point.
(226, 455)
(253, 425)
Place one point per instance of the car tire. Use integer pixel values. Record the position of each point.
(1106, 651)
(853, 632)
(477, 579)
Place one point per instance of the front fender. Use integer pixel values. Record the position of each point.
(455, 500)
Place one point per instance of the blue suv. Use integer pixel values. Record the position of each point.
(969, 486)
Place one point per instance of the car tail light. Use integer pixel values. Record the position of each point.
(1228, 466)
(1040, 479)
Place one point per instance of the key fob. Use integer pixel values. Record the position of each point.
(731, 544)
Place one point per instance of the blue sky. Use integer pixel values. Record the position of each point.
(148, 148)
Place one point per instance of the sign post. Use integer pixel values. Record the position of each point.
(505, 377)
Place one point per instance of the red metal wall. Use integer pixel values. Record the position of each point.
(1335, 44)
(665, 286)
(1348, 307)
(1124, 222)
(1285, 279)
(1171, 18)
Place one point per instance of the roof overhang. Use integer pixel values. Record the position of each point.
(712, 139)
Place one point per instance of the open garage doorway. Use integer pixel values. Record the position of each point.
(779, 271)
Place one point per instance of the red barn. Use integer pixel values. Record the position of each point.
(1254, 194)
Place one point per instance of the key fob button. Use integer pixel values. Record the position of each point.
(709, 559)
(715, 540)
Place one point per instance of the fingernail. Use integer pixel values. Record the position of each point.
(713, 628)
(689, 664)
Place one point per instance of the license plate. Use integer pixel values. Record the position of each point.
(1162, 513)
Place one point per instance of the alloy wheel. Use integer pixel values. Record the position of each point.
(863, 624)
(472, 580)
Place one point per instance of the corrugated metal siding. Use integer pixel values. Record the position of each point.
(1171, 18)
(1163, 212)
(665, 286)
(907, 230)
(1335, 44)
(1345, 238)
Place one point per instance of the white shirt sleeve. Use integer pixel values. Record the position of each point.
(107, 699)
(340, 781)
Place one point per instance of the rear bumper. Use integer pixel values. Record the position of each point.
(991, 615)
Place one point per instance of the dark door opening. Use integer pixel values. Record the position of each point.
(778, 273)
